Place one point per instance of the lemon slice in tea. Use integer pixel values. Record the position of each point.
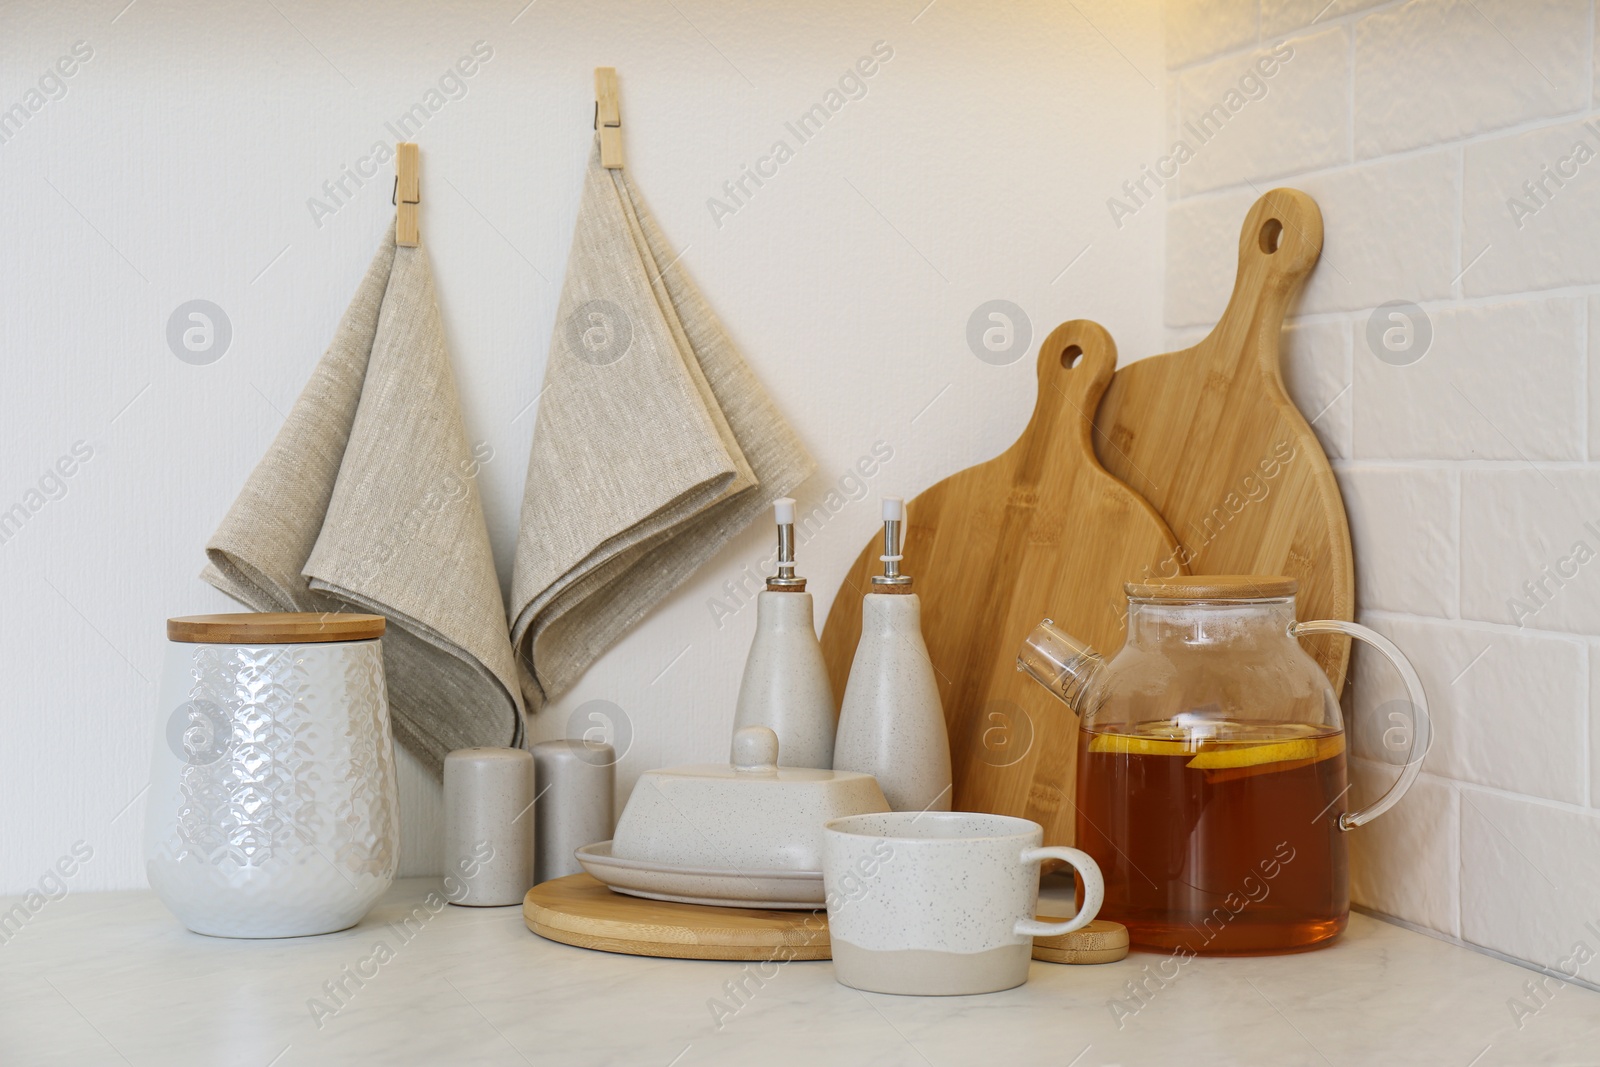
(1299, 750)
(1142, 745)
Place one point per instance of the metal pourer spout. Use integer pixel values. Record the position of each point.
(894, 517)
(785, 581)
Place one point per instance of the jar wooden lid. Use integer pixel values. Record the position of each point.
(1214, 587)
(274, 628)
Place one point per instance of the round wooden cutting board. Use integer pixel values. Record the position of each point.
(1041, 531)
(1210, 437)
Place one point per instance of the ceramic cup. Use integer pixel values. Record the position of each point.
(940, 903)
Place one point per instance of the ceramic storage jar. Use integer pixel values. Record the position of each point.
(272, 809)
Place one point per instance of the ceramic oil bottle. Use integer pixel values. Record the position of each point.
(892, 723)
(785, 685)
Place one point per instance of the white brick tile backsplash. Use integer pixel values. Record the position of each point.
(1389, 233)
(1275, 111)
(1531, 209)
(1434, 70)
(1402, 523)
(1315, 359)
(1196, 31)
(1449, 146)
(1405, 862)
(1530, 548)
(1529, 874)
(1594, 725)
(1593, 330)
(1284, 16)
(1503, 381)
(1508, 710)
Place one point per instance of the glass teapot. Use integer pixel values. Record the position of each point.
(1211, 784)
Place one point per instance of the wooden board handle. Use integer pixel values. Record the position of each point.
(1278, 245)
(1076, 361)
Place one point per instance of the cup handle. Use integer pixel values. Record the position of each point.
(1420, 726)
(1094, 891)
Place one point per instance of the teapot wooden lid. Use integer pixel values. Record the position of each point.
(274, 628)
(1214, 587)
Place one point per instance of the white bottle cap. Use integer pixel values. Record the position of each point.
(783, 510)
(894, 509)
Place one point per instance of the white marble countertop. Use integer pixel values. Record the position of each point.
(112, 978)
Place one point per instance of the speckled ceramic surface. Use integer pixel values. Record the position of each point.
(785, 684)
(940, 903)
(751, 888)
(891, 724)
(753, 815)
(272, 810)
(488, 826)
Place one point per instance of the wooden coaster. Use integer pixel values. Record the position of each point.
(578, 910)
(1102, 941)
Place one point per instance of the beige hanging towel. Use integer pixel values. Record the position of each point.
(367, 500)
(654, 444)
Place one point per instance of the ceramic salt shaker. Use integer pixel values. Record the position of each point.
(576, 780)
(891, 724)
(488, 826)
(785, 685)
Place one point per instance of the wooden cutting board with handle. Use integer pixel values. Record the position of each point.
(1210, 437)
(1041, 531)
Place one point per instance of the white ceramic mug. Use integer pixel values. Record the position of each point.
(940, 903)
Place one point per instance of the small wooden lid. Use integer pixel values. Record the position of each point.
(1214, 587)
(274, 628)
(1102, 941)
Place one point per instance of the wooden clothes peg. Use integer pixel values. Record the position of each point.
(608, 117)
(407, 195)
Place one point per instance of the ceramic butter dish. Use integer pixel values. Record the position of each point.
(750, 814)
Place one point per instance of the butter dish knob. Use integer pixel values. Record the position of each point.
(755, 750)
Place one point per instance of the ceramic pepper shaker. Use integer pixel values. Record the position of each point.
(785, 685)
(892, 722)
(489, 832)
(576, 779)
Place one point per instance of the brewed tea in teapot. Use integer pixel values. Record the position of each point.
(1212, 786)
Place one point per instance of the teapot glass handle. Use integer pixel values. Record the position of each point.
(1421, 734)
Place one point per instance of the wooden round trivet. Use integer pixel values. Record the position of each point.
(578, 910)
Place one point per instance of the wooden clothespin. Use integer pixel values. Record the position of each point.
(608, 117)
(407, 195)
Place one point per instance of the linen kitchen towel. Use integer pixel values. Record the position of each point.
(367, 500)
(654, 444)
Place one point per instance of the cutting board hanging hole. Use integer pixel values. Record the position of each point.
(1071, 356)
(1271, 234)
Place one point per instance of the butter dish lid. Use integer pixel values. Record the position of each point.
(755, 759)
(750, 813)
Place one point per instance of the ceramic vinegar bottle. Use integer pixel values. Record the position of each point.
(785, 685)
(892, 723)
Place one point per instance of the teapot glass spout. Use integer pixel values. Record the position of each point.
(1061, 663)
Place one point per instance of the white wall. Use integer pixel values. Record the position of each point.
(179, 163)
(1473, 469)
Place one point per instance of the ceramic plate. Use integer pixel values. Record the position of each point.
(721, 887)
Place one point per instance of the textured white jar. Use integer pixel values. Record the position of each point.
(273, 810)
